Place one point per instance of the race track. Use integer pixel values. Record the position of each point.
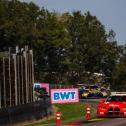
(97, 121)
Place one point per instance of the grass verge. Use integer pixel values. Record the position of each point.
(69, 112)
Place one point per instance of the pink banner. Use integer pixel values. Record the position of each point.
(45, 85)
(42, 85)
(64, 95)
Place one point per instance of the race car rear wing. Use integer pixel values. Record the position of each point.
(118, 93)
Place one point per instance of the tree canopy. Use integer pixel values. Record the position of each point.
(66, 46)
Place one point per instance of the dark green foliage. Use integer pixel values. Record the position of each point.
(119, 73)
(90, 50)
(17, 23)
(119, 78)
(66, 46)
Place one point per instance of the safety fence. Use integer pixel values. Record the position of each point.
(16, 77)
(27, 113)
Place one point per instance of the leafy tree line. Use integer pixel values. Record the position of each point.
(66, 46)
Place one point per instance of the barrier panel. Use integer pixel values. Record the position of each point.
(26, 113)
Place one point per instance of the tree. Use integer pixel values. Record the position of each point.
(119, 77)
(17, 23)
(87, 43)
(119, 72)
(52, 39)
(66, 46)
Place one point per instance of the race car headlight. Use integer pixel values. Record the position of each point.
(104, 93)
(84, 94)
(102, 108)
(124, 108)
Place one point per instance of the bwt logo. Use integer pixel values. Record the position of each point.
(64, 95)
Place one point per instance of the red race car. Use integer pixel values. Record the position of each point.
(113, 106)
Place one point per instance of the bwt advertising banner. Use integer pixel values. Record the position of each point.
(64, 95)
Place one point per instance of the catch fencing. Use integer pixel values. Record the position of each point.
(16, 77)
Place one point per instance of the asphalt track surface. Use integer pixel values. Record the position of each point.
(97, 121)
(104, 122)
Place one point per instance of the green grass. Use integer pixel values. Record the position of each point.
(69, 111)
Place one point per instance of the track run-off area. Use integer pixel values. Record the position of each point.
(95, 121)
